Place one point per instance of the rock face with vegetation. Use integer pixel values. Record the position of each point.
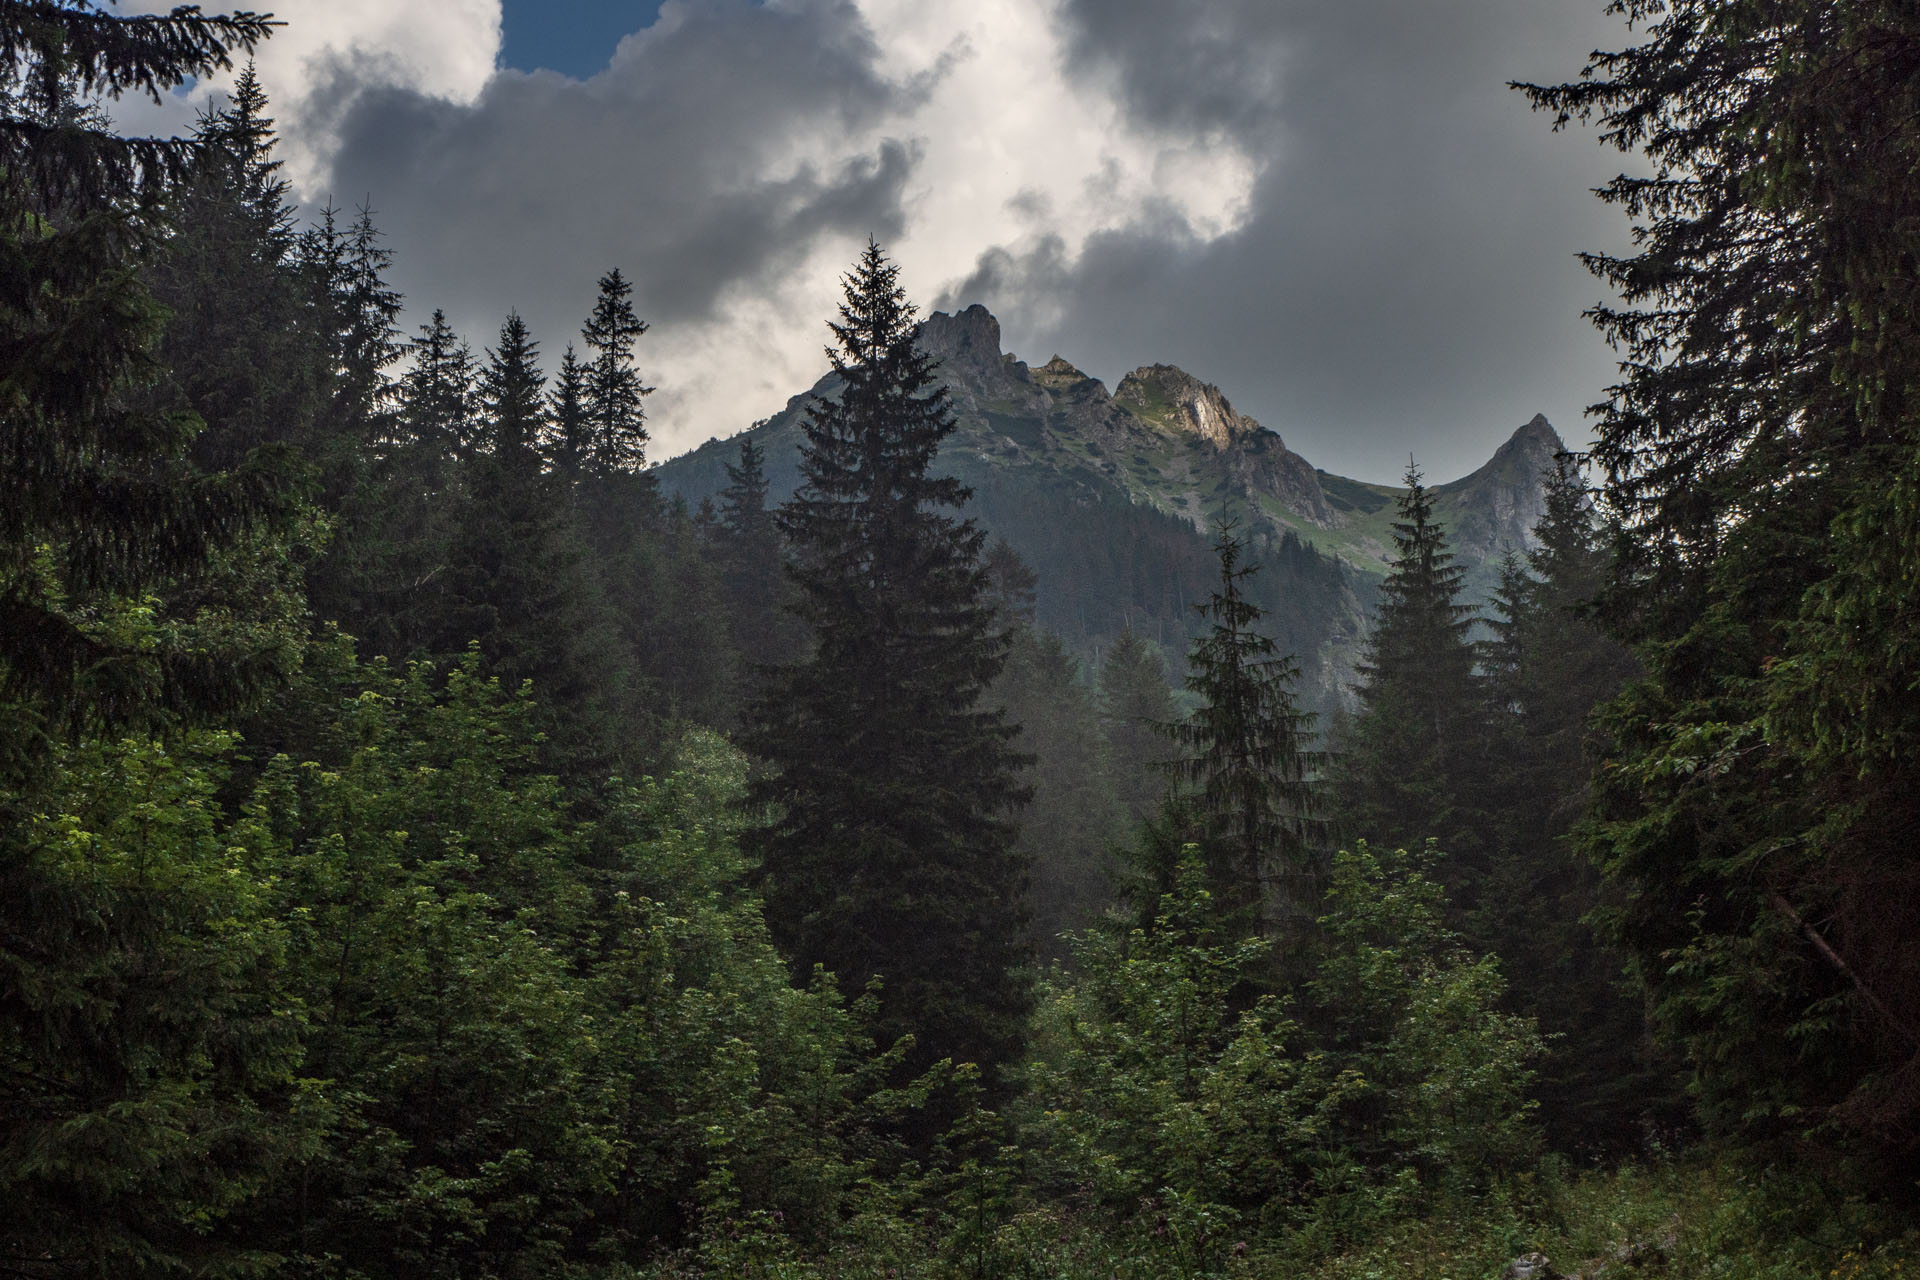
(1113, 496)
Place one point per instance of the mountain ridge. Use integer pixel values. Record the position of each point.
(1157, 466)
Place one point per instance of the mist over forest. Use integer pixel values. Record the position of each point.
(975, 821)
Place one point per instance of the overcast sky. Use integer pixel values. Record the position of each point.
(1333, 209)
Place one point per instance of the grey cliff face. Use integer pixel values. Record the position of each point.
(1500, 503)
(977, 373)
(1182, 402)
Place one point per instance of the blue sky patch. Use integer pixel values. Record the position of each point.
(573, 37)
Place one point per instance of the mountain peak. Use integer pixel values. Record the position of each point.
(1058, 374)
(1529, 451)
(968, 339)
(1536, 432)
(1507, 493)
(1174, 400)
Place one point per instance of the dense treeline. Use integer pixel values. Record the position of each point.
(1112, 559)
(426, 850)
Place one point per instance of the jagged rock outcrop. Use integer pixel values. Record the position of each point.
(979, 376)
(1170, 397)
(1493, 510)
(1257, 459)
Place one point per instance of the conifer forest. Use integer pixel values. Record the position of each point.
(431, 846)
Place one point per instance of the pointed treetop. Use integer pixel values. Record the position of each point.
(512, 394)
(437, 394)
(567, 431)
(612, 391)
(874, 312)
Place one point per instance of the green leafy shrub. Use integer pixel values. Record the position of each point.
(550, 1043)
(1165, 1094)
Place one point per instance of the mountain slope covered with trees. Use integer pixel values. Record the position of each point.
(1112, 500)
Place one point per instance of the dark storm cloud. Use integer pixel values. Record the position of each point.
(673, 164)
(1405, 278)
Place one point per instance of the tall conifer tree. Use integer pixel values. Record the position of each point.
(891, 854)
(239, 345)
(567, 418)
(1244, 755)
(1762, 452)
(355, 312)
(101, 504)
(1066, 828)
(523, 584)
(1548, 665)
(438, 409)
(748, 542)
(1414, 755)
(405, 516)
(146, 1051)
(612, 393)
(599, 440)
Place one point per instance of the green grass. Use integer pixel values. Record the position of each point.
(1695, 1219)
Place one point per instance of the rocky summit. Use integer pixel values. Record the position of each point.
(1113, 497)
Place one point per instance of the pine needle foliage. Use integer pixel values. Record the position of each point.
(1243, 752)
(1411, 759)
(890, 854)
(612, 393)
(1135, 701)
(60, 52)
(1761, 453)
(566, 441)
(101, 506)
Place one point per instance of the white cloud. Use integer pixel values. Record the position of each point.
(332, 50)
(1010, 151)
(1331, 207)
(732, 158)
(329, 52)
(1017, 152)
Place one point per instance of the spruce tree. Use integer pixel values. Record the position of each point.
(438, 417)
(405, 516)
(102, 504)
(743, 503)
(522, 584)
(1762, 785)
(1012, 584)
(566, 442)
(612, 393)
(1548, 665)
(891, 854)
(750, 558)
(1243, 753)
(1065, 829)
(1414, 757)
(1136, 703)
(746, 547)
(686, 646)
(511, 398)
(1073, 818)
(239, 139)
(600, 436)
(355, 313)
(147, 1050)
(238, 346)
